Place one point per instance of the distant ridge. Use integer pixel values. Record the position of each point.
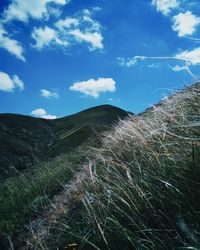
(26, 140)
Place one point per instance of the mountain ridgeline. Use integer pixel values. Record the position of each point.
(26, 141)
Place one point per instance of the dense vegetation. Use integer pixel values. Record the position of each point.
(24, 195)
(144, 186)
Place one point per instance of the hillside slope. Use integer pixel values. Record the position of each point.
(139, 189)
(26, 140)
(143, 188)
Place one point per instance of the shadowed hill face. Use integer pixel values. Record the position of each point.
(26, 140)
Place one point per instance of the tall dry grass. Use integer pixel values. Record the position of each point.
(144, 185)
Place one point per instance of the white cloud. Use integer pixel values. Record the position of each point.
(48, 94)
(165, 6)
(22, 10)
(18, 83)
(42, 113)
(87, 18)
(191, 57)
(94, 87)
(93, 38)
(46, 36)
(8, 84)
(67, 23)
(177, 68)
(62, 2)
(49, 117)
(39, 112)
(78, 28)
(186, 68)
(11, 45)
(185, 23)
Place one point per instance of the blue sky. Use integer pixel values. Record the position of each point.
(58, 57)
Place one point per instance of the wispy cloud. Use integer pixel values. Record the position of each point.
(42, 113)
(78, 28)
(128, 62)
(23, 10)
(186, 68)
(177, 68)
(165, 6)
(49, 94)
(11, 45)
(94, 87)
(46, 36)
(67, 23)
(8, 84)
(185, 23)
(93, 38)
(189, 57)
(81, 28)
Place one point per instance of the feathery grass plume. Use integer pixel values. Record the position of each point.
(144, 189)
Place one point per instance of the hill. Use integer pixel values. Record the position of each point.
(142, 190)
(26, 140)
(138, 189)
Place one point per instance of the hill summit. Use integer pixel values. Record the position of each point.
(26, 140)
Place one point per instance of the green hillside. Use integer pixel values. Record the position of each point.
(26, 140)
(49, 152)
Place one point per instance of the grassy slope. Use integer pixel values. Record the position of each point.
(26, 140)
(84, 125)
(23, 195)
(144, 189)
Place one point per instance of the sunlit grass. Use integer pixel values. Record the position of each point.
(144, 186)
